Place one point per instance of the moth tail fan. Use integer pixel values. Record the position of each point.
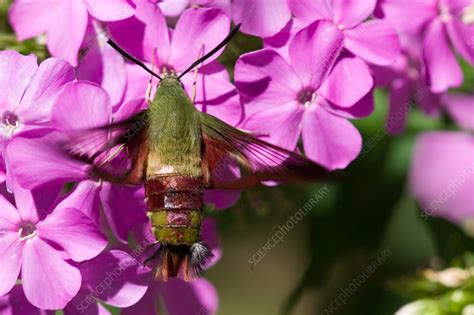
(200, 256)
(183, 261)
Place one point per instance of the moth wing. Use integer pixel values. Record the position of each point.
(260, 160)
(117, 152)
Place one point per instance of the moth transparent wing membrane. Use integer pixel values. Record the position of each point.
(117, 152)
(260, 160)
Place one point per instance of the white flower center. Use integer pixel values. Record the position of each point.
(10, 123)
(306, 97)
(444, 13)
(26, 231)
(468, 14)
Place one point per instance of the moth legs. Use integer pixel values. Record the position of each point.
(150, 81)
(201, 53)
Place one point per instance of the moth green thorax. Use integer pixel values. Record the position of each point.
(175, 133)
(178, 152)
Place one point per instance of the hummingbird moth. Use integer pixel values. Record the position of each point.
(175, 150)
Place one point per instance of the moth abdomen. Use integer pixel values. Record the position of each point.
(175, 204)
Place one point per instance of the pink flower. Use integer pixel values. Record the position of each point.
(443, 24)
(442, 174)
(404, 80)
(27, 95)
(114, 277)
(375, 41)
(28, 91)
(43, 249)
(406, 88)
(442, 169)
(64, 21)
(81, 105)
(284, 100)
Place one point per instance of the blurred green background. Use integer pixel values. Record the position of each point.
(366, 213)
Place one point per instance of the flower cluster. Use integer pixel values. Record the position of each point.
(69, 241)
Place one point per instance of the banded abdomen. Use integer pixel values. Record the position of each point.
(175, 204)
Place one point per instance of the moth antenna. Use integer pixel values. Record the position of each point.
(131, 58)
(212, 52)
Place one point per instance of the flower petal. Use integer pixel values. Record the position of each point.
(409, 15)
(66, 44)
(9, 217)
(210, 235)
(81, 105)
(146, 306)
(221, 199)
(74, 232)
(280, 41)
(10, 260)
(442, 68)
(461, 35)
(85, 304)
(16, 74)
(374, 41)
(279, 125)
(104, 66)
(310, 11)
(314, 50)
(461, 109)
(200, 297)
(262, 18)
(84, 197)
(48, 281)
(35, 157)
(25, 203)
(30, 18)
(197, 32)
(173, 8)
(110, 10)
(226, 170)
(266, 77)
(443, 183)
(330, 140)
(400, 105)
(124, 208)
(137, 81)
(349, 13)
(348, 83)
(122, 279)
(43, 89)
(428, 101)
(15, 303)
(216, 96)
(361, 109)
(224, 5)
(149, 30)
